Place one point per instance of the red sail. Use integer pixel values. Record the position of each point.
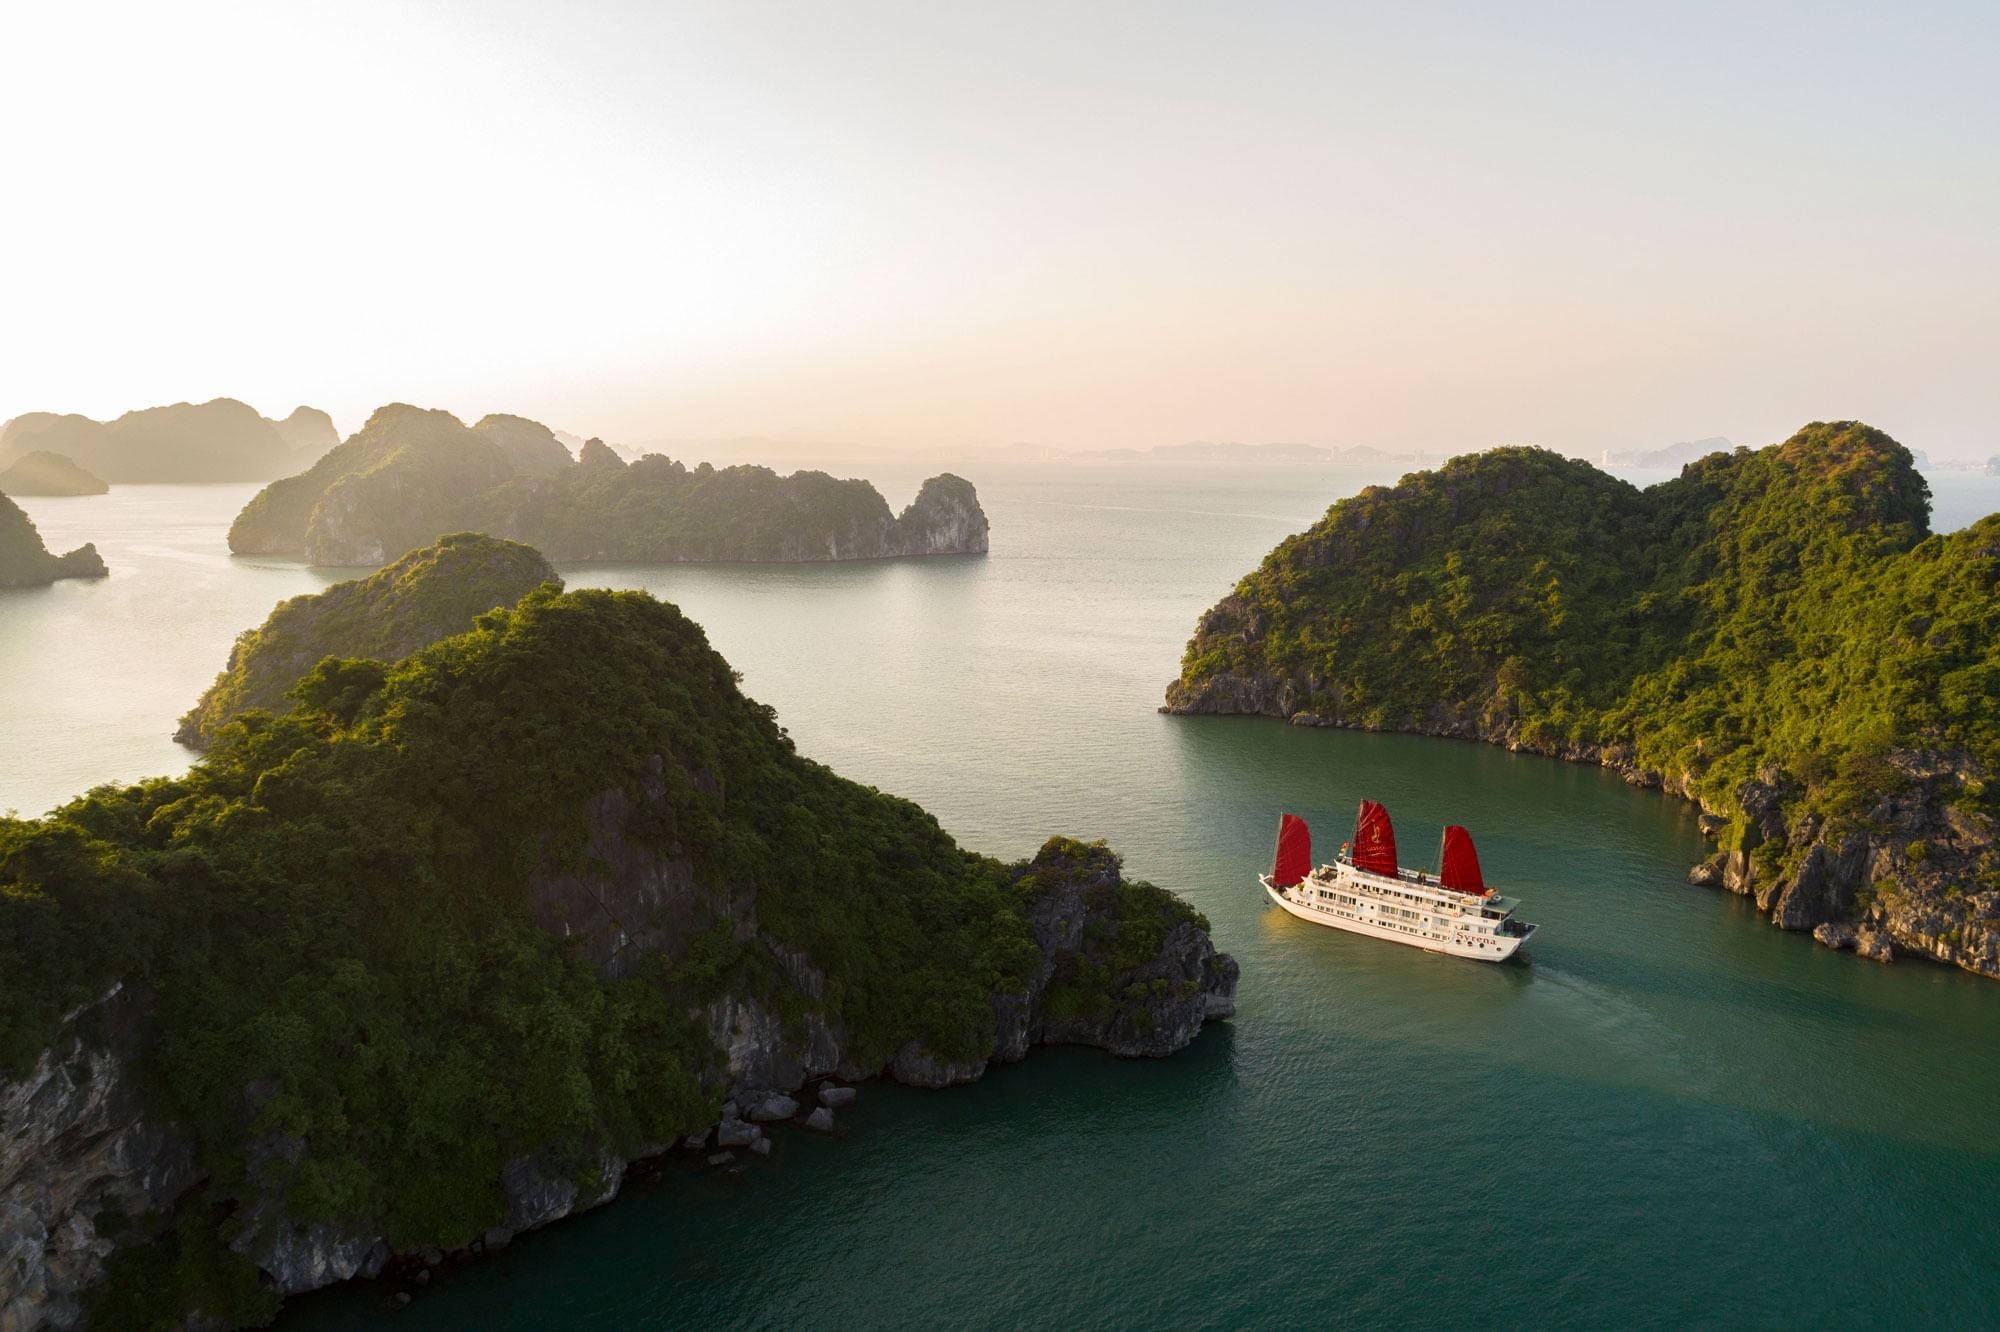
(1374, 840)
(1295, 851)
(1461, 862)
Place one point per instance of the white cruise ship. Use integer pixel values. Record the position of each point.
(1364, 891)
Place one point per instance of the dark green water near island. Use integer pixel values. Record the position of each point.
(1670, 1114)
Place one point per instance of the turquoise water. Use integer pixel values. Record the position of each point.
(1670, 1114)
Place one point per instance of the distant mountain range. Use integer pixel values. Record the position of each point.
(220, 440)
(1673, 456)
(1205, 452)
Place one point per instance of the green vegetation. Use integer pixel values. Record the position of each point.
(658, 509)
(409, 475)
(335, 914)
(42, 473)
(1128, 922)
(390, 487)
(1781, 608)
(221, 440)
(426, 595)
(26, 562)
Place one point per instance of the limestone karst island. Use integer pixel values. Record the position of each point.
(698, 666)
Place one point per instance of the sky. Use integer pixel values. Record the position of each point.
(1418, 227)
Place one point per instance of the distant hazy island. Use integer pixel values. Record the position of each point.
(26, 562)
(1775, 634)
(1672, 456)
(426, 595)
(41, 473)
(222, 440)
(410, 474)
(1203, 452)
(428, 960)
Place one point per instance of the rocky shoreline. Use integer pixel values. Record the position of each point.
(86, 1172)
(1891, 884)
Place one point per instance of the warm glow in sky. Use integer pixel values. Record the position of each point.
(1415, 226)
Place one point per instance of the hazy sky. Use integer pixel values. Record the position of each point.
(1415, 226)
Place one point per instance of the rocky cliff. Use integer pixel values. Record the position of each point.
(944, 519)
(1774, 634)
(410, 475)
(392, 486)
(42, 473)
(26, 562)
(409, 994)
(82, 1167)
(425, 595)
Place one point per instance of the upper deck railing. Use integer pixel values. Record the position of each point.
(1492, 906)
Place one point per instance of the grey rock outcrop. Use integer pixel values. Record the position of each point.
(76, 1146)
(302, 1257)
(773, 1108)
(545, 1188)
(944, 519)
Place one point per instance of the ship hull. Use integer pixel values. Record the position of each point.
(1450, 942)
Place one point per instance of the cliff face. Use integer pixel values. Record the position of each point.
(1120, 966)
(84, 1170)
(392, 487)
(1774, 634)
(657, 510)
(410, 475)
(409, 993)
(42, 473)
(81, 1166)
(26, 562)
(944, 519)
(1916, 872)
(425, 595)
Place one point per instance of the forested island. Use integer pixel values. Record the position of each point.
(429, 958)
(41, 473)
(220, 440)
(426, 595)
(1776, 634)
(411, 474)
(25, 561)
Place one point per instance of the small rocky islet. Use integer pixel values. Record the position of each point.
(363, 988)
(411, 473)
(1775, 634)
(25, 560)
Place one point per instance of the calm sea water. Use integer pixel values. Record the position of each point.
(1670, 1114)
